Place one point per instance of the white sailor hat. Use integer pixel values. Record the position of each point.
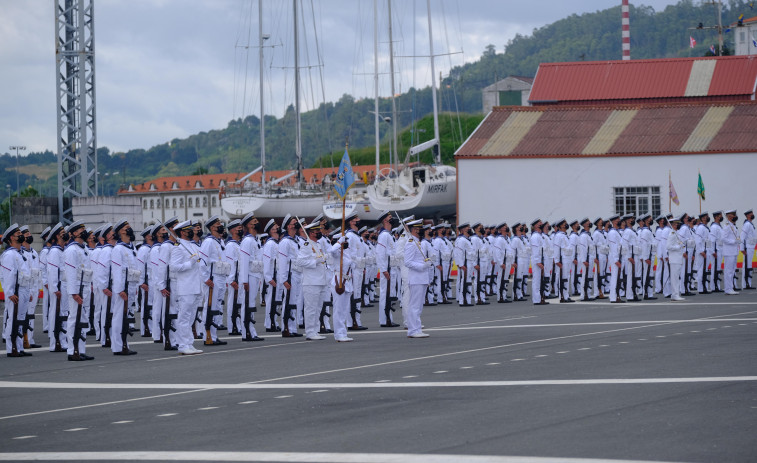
(463, 225)
(147, 231)
(500, 225)
(335, 231)
(613, 217)
(558, 222)
(75, 225)
(747, 212)
(408, 218)
(659, 217)
(383, 215)
(318, 218)
(679, 218)
(53, 231)
(352, 216)
(415, 223)
(268, 226)
(211, 221)
(171, 222)
(642, 217)
(196, 223)
(184, 224)
(234, 223)
(705, 213)
(597, 220)
(247, 218)
(535, 221)
(106, 228)
(44, 233)
(732, 211)
(574, 222)
(312, 226)
(24, 228)
(286, 220)
(117, 227)
(362, 229)
(475, 224)
(96, 231)
(717, 213)
(584, 220)
(10, 231)
(427, 227)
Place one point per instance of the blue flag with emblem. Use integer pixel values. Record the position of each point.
(345, 178)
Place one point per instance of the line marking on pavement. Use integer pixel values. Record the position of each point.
(122, 422)
(269, 346)
(23, 437)
(309, 457)
(74, 429)
(493, 363)
(269, 386)
(393, 362)
(383, 381)
(208, 408)
(440, 372)
(318, 391)
(167, 414)
(465, 368)
(247, 402)
(517, 360)
(540, 356)
(409, 376)
(563, 352)
(522, 317)
(285, 396)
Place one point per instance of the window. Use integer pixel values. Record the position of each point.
(742, 37)
(174, 203)
(145, 206)
(158, 203)
(204, 201)
(181, 202)
(213, 202)
(637, 200)
(152, 204)
(189, 202)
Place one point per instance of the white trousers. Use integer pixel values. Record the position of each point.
(71, 323)
(385, 290)
(729, 263)
(413, 312)
(340, 313)
(675, 277)
(52, 320)
(23, 306)
(313, 295)
(186, 309)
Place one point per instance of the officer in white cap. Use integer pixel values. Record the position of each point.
(731, 248)
(418, 266)
(250, 275)
(271, 291)
(341, 287)
(78, 280)
(675, 247)
(126, 276)
(17, 285)
(185, 267)
(215, 270)
(312, 260)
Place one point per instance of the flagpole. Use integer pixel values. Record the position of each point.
(698, 193)
(670, 194)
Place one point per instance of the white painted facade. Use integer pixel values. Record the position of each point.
(491, 190)
(744, 38)
(183, 204)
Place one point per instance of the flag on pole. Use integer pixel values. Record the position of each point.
(700, 187)
(692, 42)
(673, 194)
(345, 177)
(712, 50)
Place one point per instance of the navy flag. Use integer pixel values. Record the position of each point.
(345, 178)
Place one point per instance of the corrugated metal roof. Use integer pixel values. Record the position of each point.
(549, 131)
(625, 81)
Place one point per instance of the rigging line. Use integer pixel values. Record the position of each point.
(237, 65)
(452, 82)
(247, 60)
(319, 54)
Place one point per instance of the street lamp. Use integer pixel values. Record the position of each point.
(9, 205)
(17, 148)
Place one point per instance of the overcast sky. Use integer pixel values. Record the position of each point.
(167, 69)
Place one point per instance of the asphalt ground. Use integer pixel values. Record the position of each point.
(651, 381)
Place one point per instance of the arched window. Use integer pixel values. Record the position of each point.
(204, 201)
(181, 202)
(189, 202)
(213, 201)
(158, 203)
(152, 204)
(174, 203)
(145, 206)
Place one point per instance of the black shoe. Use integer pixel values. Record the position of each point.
(125, 351)
(89, 333)
(218, 342)
(171, 348)
(301, 326)
(86, 357)
(357, 328)
(483, 303)
(34, 346)
(257, 338)
(390, 325)
(564, 301)
(466, 305)
(157, 342)
(25, 354)
(368, 305)
(541, 303)
(235, 333)
(222, 327)
(326, 331)
(650, 298)
(271, 330)
(618, 302)
(519, 299)
(76, 358)
(445, 302)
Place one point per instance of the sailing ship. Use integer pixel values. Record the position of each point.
(276, 198)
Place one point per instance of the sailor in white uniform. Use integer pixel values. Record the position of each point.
(77, 289)
(748, 243)
(675, 247)
(731, 248)
(185, 266)
(418, 266)
(15, 277)
(314, 280)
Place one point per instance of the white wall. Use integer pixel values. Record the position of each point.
(491, 190)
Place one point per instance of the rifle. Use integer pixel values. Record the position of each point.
(466, 283)
(108, 313)
(15, 323)
(273, 313)
(545, 280)
(248, 320)
(717, 270)
(91, 331)
(575, 271)
(59, 320)
(490, 279)
(502, 284)
(388, 309)
(209, 312)
(516, 281)
(446, 284)
(479, 284)
(79, 325)
(747, 267)
(618, 279)
(563, 281)
(686, 273)
(147, 311)
(324, 313)
(167, 316)
(634, 280)
(234, 302)
(126, 319)
(646, 280)
(586, 271)
(288, 306)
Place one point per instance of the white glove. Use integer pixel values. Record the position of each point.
(429, 264)
(341, 239)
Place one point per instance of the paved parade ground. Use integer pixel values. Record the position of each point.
(651, 381)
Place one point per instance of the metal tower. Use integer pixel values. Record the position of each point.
(75, 79)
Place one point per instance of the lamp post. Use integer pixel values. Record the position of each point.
(10, 221)
(17, 148)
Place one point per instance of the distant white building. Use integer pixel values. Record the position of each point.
(745, 37)
(512, 90)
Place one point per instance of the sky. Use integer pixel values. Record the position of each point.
(167, 69)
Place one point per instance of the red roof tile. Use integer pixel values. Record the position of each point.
(636, 80)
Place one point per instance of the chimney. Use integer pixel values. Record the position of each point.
(625, 22)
